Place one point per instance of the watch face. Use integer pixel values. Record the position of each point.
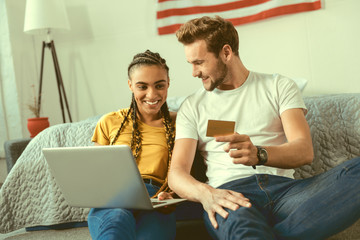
(262, 156)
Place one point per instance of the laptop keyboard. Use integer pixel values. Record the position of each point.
(157, 203)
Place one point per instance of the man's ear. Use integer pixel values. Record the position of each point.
(227, 50)
(130, 85)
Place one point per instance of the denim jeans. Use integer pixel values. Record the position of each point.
(117, 223)
(283, 208)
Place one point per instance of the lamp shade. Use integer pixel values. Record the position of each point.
(44, 15)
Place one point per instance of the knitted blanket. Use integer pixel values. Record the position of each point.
(29, 196)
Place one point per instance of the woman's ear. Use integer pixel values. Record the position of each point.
(130, 85)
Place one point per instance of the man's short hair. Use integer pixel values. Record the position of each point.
(215, 31)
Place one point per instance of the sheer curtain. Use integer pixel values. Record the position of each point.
(10, 117)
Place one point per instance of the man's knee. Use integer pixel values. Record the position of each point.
(244, 223)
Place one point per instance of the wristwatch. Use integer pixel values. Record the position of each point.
(261, 155)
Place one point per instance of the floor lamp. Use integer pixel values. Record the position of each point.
(41, 18)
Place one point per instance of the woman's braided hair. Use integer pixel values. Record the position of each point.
(148, 58)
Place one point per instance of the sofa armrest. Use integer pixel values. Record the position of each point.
(13, 150)
(335, 130)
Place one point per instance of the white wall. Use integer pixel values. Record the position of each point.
(322, 46)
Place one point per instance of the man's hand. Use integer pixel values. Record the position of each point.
(220, 199)
(240, 148)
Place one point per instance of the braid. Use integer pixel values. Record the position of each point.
(136, 142)
(170, 137)
(121, 127)
(169, 128)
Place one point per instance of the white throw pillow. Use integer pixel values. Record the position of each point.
(301, 82)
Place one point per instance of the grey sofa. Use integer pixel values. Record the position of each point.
(13, 150)
(334, 122)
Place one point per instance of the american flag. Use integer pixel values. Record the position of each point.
(172, 13)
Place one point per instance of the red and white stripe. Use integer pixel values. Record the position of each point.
(172, 13)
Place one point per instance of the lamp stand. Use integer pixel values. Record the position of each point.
(60, 84)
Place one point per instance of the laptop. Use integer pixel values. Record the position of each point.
(100, 177)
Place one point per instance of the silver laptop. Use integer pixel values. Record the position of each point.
(100, 177)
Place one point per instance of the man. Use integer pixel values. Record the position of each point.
(251, 193)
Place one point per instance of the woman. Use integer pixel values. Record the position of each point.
(148, 127)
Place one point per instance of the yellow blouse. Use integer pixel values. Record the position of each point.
(153, 158)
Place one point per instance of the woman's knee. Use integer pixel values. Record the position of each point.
(102, 222)
(110, 214)
(156, 225)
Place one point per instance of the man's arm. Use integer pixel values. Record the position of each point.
(213, 200)
(297, 152)
(179, 174)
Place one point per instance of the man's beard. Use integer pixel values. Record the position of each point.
(223, 71)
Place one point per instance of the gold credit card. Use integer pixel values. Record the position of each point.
(220, 128)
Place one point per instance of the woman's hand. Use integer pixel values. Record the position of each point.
(169, 208)
(165, 195)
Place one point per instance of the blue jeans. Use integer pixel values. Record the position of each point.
(283, 208)
(117, 223)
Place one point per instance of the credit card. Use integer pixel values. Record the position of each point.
(220, 128)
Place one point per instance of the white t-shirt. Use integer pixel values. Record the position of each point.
(256, 107)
